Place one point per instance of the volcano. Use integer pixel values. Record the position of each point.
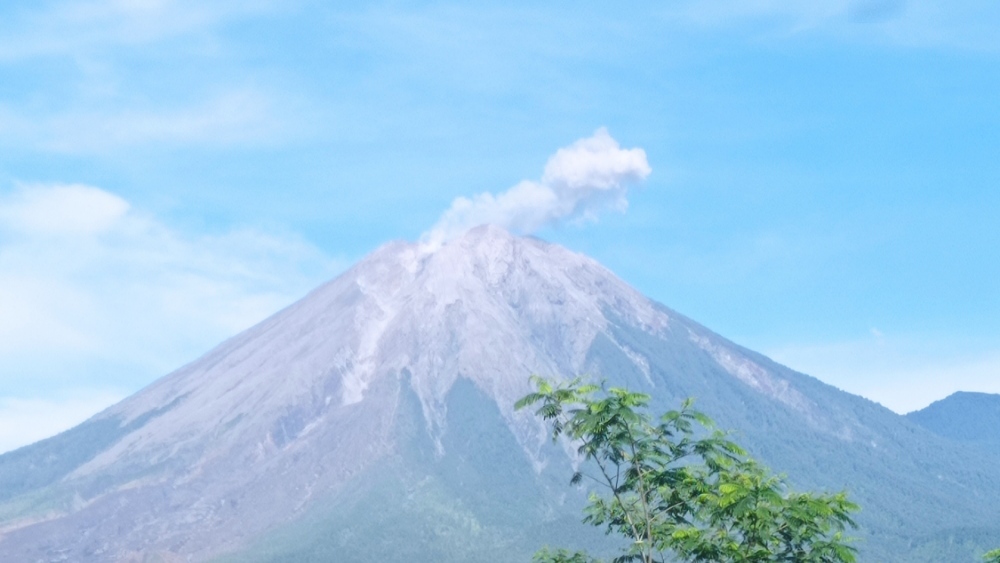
(373, 421)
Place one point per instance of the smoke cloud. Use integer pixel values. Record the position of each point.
(579, 181)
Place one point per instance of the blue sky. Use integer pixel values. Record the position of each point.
(824, 182)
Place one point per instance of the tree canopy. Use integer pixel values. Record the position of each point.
(676, 486)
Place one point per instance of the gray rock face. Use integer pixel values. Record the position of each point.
(309, 421)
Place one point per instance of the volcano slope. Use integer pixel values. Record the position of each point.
(373, 421)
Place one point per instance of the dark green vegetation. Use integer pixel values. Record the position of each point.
(965, 417)
(678, 491)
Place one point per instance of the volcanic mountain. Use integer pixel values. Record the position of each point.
(373, 421)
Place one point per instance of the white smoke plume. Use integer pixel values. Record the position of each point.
(593, 173)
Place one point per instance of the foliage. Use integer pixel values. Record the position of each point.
(992, 556)
(545, 555)
(676, 486)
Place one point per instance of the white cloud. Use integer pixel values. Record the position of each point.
(101, 97)
(24, 421)
(237, 117)
(902, 373)
(74, 28)
(593, 165)
(90, 285)
(936, 24)
(593, 173)
(800, 14)
(62, 209)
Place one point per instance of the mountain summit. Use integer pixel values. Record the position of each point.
(373, 420)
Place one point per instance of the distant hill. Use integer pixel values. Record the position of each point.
(963, 417)
(373, 421)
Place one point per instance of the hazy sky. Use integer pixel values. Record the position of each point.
(822, 179)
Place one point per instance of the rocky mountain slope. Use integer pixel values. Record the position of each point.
(373, 420)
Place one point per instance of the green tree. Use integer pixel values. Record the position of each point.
(992, 556)
(676, 486)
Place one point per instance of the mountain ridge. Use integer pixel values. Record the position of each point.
(964, 416)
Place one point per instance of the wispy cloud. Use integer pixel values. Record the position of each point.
(592, 174)
(88, 282)
(937, 24)
(237, 118)
(902, 373)
(71, 209)
(72, 29)
(82, 74)
(727, 12)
